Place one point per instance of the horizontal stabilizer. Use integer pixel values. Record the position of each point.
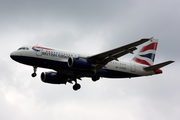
(157, 66)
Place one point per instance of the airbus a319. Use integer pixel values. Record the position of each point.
(69, 67)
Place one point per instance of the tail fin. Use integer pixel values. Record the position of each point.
(146, 55)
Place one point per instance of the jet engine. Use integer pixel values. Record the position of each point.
(80, 63)
(53, 78)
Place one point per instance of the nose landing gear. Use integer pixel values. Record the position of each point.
(35, 69)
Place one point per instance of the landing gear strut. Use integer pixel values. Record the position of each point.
(35, 69)
(76, 86)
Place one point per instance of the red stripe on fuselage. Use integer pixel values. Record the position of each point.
(42, 48)
(141, 61)
(152, 46)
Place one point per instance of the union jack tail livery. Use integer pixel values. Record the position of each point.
(147, 54)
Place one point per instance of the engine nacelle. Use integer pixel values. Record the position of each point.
(80, 63)
(53, 78)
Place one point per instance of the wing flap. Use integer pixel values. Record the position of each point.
(114, 57)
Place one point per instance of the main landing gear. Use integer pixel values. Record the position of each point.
(35, 69)
(95, 78)
(77, 86)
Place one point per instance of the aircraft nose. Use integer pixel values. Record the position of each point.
(14, 55)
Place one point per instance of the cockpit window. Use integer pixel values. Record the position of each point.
(23, 48)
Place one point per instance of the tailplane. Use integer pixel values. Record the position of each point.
(157, 66)
(147, 54)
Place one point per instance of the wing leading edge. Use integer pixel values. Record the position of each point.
(102, 59)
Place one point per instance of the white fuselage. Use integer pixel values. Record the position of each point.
(57, 60)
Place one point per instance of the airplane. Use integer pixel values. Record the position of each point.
(69, 67)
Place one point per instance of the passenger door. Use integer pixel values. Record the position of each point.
(39, 51)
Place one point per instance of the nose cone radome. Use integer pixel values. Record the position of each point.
(14, 55)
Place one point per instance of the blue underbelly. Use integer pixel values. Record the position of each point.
(62, 67)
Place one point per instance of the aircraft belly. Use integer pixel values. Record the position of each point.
(59, 66)
(119, 74)
(63, 68)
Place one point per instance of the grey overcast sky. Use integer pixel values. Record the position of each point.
(89, 26)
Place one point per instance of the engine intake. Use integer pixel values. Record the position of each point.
(53, 78)
(80, 63)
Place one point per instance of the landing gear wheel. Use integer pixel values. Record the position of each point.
(95, 78)
(76, 86)
(33, 74)
(35, 69)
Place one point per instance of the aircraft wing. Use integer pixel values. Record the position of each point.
(102, 59)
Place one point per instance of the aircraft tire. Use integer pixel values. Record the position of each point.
(95, 78)
(76, 86)
(33, 74)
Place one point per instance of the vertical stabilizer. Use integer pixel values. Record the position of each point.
(146, 55)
